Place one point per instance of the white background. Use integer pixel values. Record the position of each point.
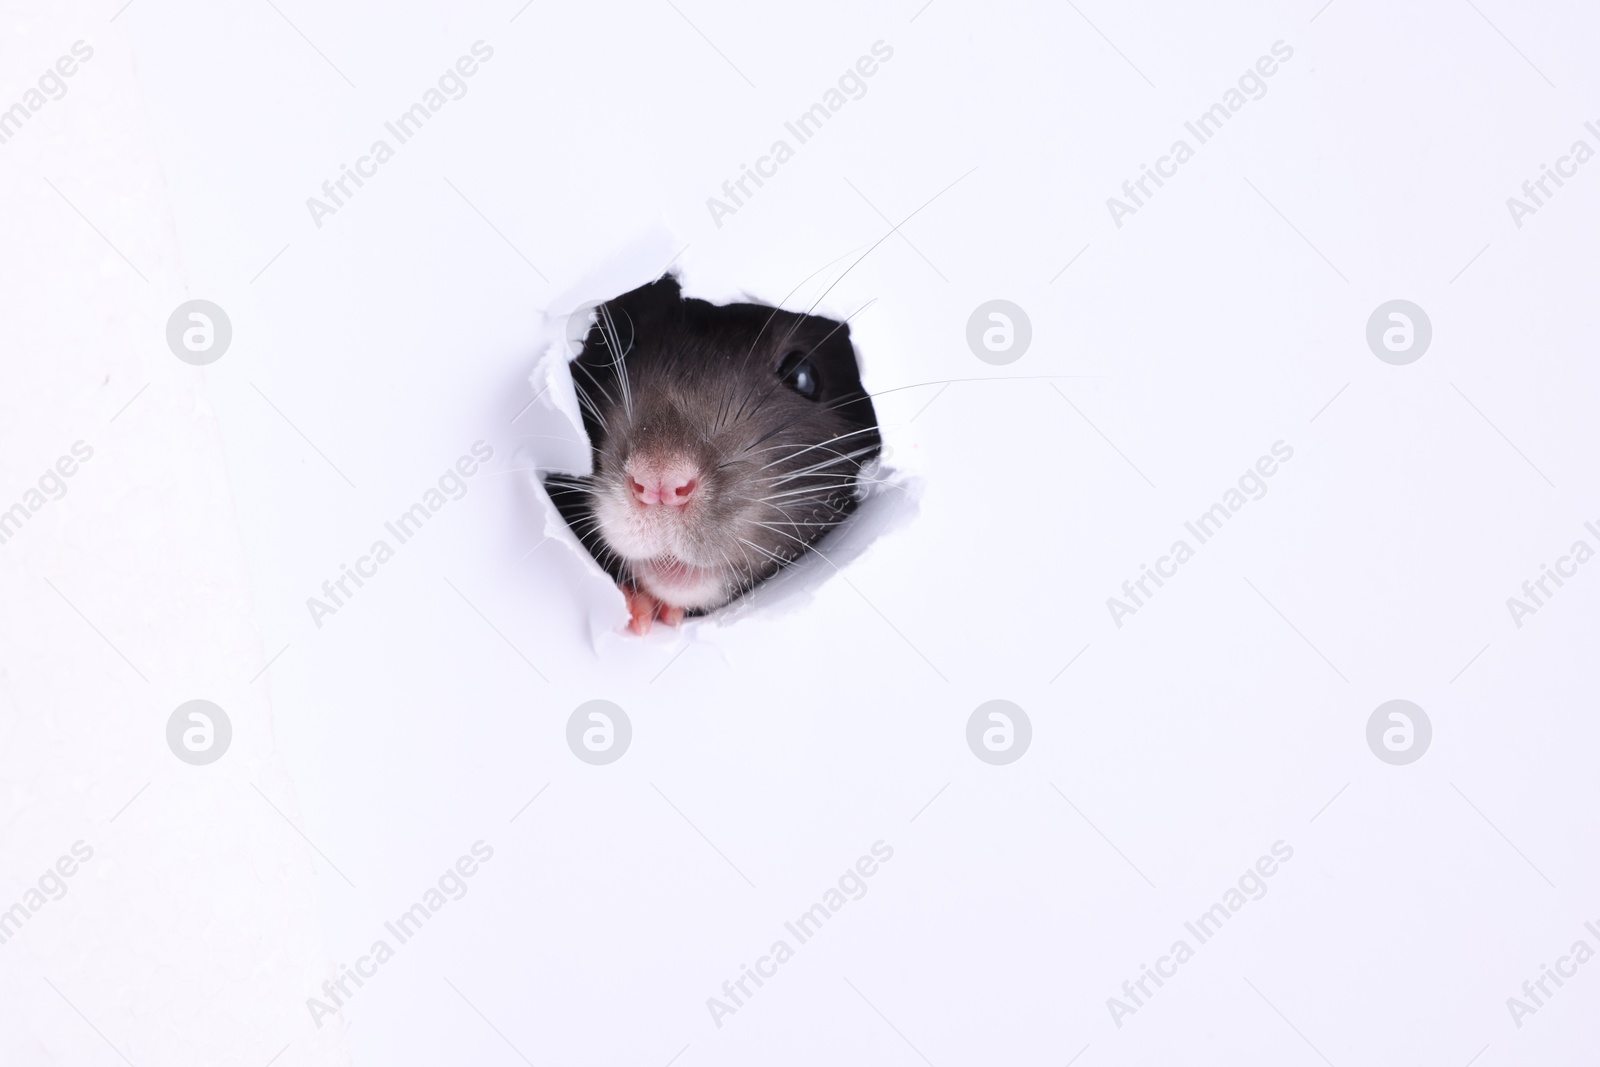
(1229, 713)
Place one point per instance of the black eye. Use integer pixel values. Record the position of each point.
(800, 374)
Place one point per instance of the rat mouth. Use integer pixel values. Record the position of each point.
(680, 584)
(669, 572)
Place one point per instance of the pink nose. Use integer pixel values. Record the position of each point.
(671, 486)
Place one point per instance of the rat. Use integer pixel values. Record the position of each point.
(727, 440)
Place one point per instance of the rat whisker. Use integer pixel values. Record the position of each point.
(837, 326)
(818, 444)
(779, 308)
(836, 405)
(608, 326)
(886, 236)
(838, 457)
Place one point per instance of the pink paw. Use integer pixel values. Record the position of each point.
(644, 609)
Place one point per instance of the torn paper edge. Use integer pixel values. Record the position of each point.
(889, 497)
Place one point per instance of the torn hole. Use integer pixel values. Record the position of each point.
(804, 476)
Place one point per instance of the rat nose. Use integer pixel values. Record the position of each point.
(670, 484)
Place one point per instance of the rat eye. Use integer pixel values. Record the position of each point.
(800, 374)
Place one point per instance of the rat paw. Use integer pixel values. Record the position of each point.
(644, 609)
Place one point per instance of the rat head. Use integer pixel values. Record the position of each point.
(726, 440)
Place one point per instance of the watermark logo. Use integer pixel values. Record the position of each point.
(452, 485)
(199, 332)
(1399, 732)
(52, 886)
(1566, 967)
(599, 732)
(452, 85)
(52, 486)
(582, 322)
(999, 332)
(852, 85)
(1566, 567)
(1252, 885)
(999, 732)
(199, 732)
(1252, 85)
(51, 86)
(450, 886)
(851, 885)
(1399, 332)
(1252, 485)
(1566, 167)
